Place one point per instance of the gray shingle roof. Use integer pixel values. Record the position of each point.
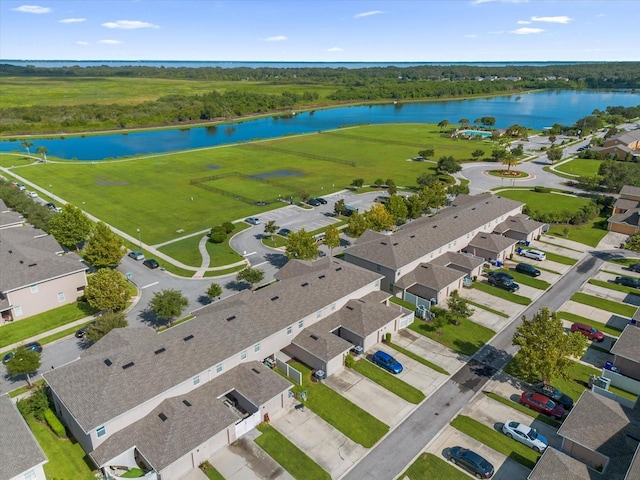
(9, 217)
(461, 260)
(625, 204)
(518, 223)
(19, 450)
(28, 256)
(433, 276)
(555, 465)
(428, 234)
(630, 217)
(492, 243)
(628, 344)
(219, 330)
(162, 442)
(321, 343)
(630, 190)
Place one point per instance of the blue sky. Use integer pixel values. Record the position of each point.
(321, 30)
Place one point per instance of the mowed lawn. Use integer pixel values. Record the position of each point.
(580, 166)
(154, 193)
(545, 202)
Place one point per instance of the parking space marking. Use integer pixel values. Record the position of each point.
(150, 285)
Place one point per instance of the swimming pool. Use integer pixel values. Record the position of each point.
(476, 132)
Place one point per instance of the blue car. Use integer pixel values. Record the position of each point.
(386, 361)
(470, 461)
(35, 346)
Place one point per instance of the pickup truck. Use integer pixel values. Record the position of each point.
(503, 280)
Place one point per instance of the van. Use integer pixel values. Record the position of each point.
(534, 254)
(527, 269)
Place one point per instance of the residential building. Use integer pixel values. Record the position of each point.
(430, 257)
(167, 401)
(626, 212)
(21, 458)
(623, 146)
(37, 275)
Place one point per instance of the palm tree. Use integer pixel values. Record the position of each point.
(464, 122)
(42, 151)
(510, 160)
(27, 145)
(443, 124)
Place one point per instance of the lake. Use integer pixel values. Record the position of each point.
(535, 110)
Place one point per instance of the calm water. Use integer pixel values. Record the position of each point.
(536, 110)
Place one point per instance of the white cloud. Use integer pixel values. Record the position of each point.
(31, 9)
(109, 42)
(80, 42)
(72, 20)
(276, 38)
(560, 19)
(368, 14)
(129, 25)
(523, 22)
(334, 49)
(526, 31)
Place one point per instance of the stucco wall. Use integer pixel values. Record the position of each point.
(589, 457)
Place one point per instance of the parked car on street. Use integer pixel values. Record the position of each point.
(35, 346)
(136, 255)
(554, 394)
(151, 263)
(525, 435)
(314, 202)
(534, 254)
(588, 331)
(386, 361)
(81, 333)
(527, 269)
(253, 220)
(503, 280)
(470, 461)
(628, 282)
(542, 404)
(32, 194)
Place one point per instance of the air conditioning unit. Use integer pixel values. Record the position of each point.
(600, 382)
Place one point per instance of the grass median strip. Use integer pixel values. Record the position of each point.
(388, 381)
(354, 422)
(604, 304)
(526, 279)
(488, 309)
(428, 465)
(289, 456)
(554, 257)
(465, 338)
(499, 292)
(496, 440)
(418, 358)
(572, 317)
(615, 286)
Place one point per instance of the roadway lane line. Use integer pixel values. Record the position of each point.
(150, 285)
(249, 254)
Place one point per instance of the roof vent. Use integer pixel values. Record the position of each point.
(33, 264)
(412, 236)
(162, 416)
(273, 299)
(473, 208)
(232, 317)
(349, 308)
(383, 243)
(128, 365)
(315, 337)
(186, 402)
(160, 350)
(338, 269)
(455, 216)
(108, 362)
(395, 244)
(435, 226)
(21, 262)
(255, 370)
(10, 251)
(187, 338)
(321, 276)
(305, 284)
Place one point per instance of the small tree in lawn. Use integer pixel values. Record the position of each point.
(27, 145)
(443, 124)
(107, 290)
(427, 153)
(104, 325)
(168, 304)
(250, 275)
(270, 228)
(357, 182)
(477, 154)
(509, 161)
(554, 154)
(24, 362)
(448, 164)
(332, 238)
(458, 307)
(545, 348)
(633, 243)
(214, 291)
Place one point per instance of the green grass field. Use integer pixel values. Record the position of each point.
(387, 380)
(581, 167)
(154, 193)
(545, 202)
(465, 338)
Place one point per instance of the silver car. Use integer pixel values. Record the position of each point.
(525, 435)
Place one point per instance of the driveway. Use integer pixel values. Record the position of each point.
(429, 350)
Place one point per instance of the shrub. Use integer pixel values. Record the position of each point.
(387, 337)
(218, 234)
(54, 423)
(228, 227)
(540, 189)
(349, 361)
(36, 404)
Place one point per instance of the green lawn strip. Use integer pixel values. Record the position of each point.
(26, 388)
(488, 309)
(23, 329)
(418, 358)
(274, 241)
(399, 387)
(572, 317)
(496, 440)
(67, 459)
(526, 279)
(403, 303)
(428, 466)
(554, 257)
(357, 424)
(225, 272)
(133, 473)
(559, 246)
(614, 286)
(523, 409)
(501, 293)
(617, 274)
(624, 261)
(589, 233)
(604, 304)
(543, 202)
(599, 349)
(465, 338)
(289, 456)
(213, 474)
(582, 167)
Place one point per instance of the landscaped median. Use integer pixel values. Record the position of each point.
(615, 286)
(354, 422)
(501, 293)
(554, 257)
(604, 304)
(429, 466)
(417, 358)
(388, 381)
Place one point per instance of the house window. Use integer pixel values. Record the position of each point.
(30, 475)
(80, 289)
(34, 288)
(300, 323)
(17, 310)
(289, 330)
(319, 314)
(219, 368)
(101, 431)
(60, 297)
(243, 355)
(196, 380)
(256, 347)
(378, 268)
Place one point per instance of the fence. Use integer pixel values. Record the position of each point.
(289, 371)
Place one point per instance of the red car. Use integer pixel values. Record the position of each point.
(542, 404)
(588, 331)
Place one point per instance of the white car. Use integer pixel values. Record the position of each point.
(534, 254)
(525, 435)
(253, 220)
(32, 194)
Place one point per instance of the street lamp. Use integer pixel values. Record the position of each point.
(83, 207)
(139, 240)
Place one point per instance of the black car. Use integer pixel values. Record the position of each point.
(284, 232)
(81, 333)
(527, 269)
(635, 267)
(322, 200)
(554, 394)
(470, 461)
(151, 263)
(628, 282)
(314, 202)
(503, 280)
(34, 346)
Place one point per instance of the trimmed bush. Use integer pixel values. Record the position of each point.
(54, 423)
(387, 337)
(540, 189)
(228, 227)
(349, 361)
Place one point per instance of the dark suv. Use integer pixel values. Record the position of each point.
(628, 282)
(503, 280)
(470, 461)
(527, 269)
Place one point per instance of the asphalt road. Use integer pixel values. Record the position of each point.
(396, 452)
